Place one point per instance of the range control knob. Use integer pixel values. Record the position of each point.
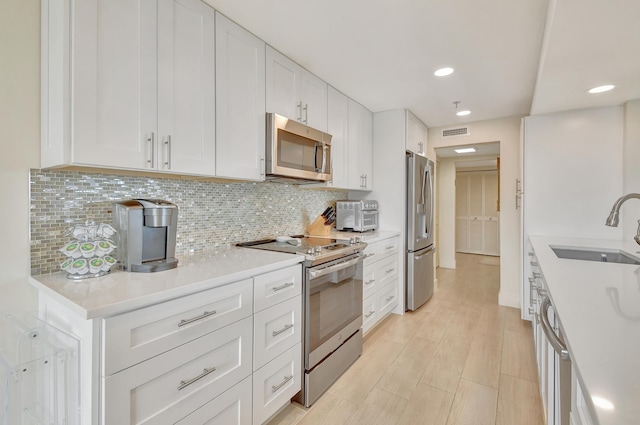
(318, 249)
(354, 240)
(310, 251)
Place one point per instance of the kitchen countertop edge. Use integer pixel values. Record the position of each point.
(119, 291)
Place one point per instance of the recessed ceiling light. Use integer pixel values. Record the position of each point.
(601, 89)
(443, 72)
(465, 150)
(463, 113)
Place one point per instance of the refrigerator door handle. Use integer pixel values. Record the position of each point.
(425, 253)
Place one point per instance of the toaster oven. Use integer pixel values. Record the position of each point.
(357, 216)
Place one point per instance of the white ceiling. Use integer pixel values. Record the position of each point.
(507, 54)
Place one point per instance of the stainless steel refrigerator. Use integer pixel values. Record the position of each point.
(420, 246)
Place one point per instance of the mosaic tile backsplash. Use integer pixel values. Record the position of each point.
(212, 215)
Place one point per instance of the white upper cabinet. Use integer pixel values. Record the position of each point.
(360, 168)
(240, 102)
(139, 89)
(338, 127)
(294, 92)
(416, 135)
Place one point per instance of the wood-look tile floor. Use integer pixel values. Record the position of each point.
(461, 359)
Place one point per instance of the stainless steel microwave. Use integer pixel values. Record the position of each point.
(296, 151)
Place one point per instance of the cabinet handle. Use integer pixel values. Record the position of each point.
(389, 271)
(369, 281)
(167, 144)
(390, 298)
(533, 263)
(286, 327)
(281, 287)
(306, 112)
(366, 181)
(390, 247)
(530, 254)
(535, 275)
(195, 319)
(275, 388)
(262, 165)
(299, 106)
(370, 254)
(152, 141)
(204, 373)
(366, 316)
(558, 345)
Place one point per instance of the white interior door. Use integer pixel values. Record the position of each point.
(477, 220)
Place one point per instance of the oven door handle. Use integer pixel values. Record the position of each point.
(327, 270)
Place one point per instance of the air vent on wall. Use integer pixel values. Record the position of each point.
(456, 132)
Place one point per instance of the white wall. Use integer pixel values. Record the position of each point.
(20, 124)
(630, 212)
(507, 132)
(573, 172)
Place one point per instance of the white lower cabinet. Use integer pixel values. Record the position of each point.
(276, 383)
(233, 407)
(164, 389)
(214, 356)
(380, 281)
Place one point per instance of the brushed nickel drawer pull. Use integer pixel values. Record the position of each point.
(389, 271)
(195, 319)
(533, 263)
(281, 287)
(286, 327)
(390, 298)
(390, 247)
(368, 282)
(204, 373)
(366, 316)
(275, 388)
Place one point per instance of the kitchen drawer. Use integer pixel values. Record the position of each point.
(381, 249)
(369, 312)
(276, 383)
(387, 298)
(141, 334)
(369, 284)
(233, 407)
(277, 329)
(274, 287)
(386, 270)
(168, 387)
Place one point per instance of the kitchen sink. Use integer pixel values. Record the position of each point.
(601, 255)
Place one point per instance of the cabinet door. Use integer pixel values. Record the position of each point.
(114, 83)
(338, 127)
(360, 147)
(186, 81)
(313, 95)
(240, 102)
(282, 85)
(416, 135)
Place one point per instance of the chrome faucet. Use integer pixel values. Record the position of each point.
(612, 220)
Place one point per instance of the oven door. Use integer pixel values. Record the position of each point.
(333, 306)
(369, 220)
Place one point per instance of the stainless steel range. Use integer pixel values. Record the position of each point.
(332, 306)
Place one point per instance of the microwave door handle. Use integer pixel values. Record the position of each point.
(315, 157)
(324, 158)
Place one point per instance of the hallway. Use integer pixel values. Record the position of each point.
(461, 359)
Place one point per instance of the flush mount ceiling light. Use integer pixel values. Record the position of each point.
(465, 150)
(443, 72)
(601, 89)
(463, 112)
